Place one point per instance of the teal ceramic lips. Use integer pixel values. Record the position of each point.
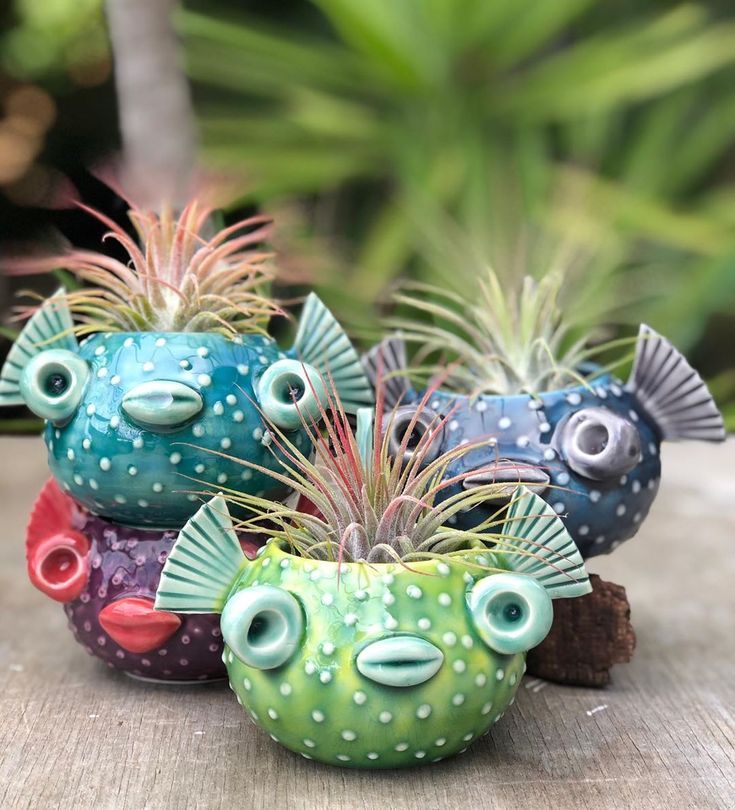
(157, 416)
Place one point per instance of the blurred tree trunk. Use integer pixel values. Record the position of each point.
(154, 103)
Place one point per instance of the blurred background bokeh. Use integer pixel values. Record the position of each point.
(421, 139)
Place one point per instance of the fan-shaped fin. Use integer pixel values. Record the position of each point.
(203, 564)
(364, 434)
(323, 343)
(672, 392)
(49, 328)
(387, 361)
(537, 543)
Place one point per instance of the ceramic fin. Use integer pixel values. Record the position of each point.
(364, 435)
(323, 343)
(203, 564)
(672, 392)
(537, 543)
(49, 328)
(387, 360)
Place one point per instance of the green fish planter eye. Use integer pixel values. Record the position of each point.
(375, 665)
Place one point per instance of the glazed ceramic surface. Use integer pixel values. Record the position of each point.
(319, 704)
(136, 472)
(527, 434)
(591, 451)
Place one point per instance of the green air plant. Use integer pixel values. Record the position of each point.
(492, 341)
(366, 633)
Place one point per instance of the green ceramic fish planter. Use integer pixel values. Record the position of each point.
(381, 647)
(176, 373)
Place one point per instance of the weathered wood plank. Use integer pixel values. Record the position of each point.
(74, 735)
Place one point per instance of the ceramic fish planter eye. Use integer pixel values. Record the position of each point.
(368, 665)
(592, 451)
(140, 423)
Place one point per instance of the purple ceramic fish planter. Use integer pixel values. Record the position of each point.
(141, 425)
(590, 450)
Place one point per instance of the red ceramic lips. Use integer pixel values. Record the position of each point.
(136, 626)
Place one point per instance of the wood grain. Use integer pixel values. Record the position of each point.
(74, 735)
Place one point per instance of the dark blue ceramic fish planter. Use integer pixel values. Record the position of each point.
(138, 425)
(591, 451)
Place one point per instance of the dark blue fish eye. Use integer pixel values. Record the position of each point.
(598, 444)
(411, 429)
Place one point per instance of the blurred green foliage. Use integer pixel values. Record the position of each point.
(611, 123)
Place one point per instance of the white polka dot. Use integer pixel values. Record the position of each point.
(202, 351)
(424, 623)
(500, 673)
(419, 754)
(317, 716)
(204, 380)
(549, 454)
(132, 470)
(504, 423)
(450, 639)
(70, 454)
(359, 697)
(595, 495)
(218, 408)
(199, 468)
(458, 699)
(385, 717)
(309, 743)
(562, 478)
(544, 427)
(222, 478)
(349, 735)
(114, 421)
(325, 676)
(559, 507)
(423, 711)
(273, 714)
(105, 464)
(390, 623)
(480, 679)
(414, 592)
(459, 666)
(175, 458)
(91, 408)
(621, 509)
(78, 480)
(350, 619)
(633, 415)
(584, 530)
(93, 484)
(443, 569)
(481, 406)
(372, 755)
(138, 442)
(453, 425)
(327, 599)
(467, 642)
(128, 342)
(513, 679)
(487, 708)
(402, 746)
(574, 398)
(142, 503)
(258, 434)
(225, 443)
(102, 372)
(309, 667)
(535, 404)
(198, 431)
(388, 598)
(439, 741)
(444, 599)
(636, 486)
(148, 366)
(600, 539)
(523, 441)
(157, 487)
(115, 379)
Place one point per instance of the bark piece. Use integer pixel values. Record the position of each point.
(590, 634)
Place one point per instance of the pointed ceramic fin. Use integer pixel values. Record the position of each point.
(323, 343)
(49, 328)
(672, 392)
(538, 544)
(387, 361)
(365, 429)
(203, 564)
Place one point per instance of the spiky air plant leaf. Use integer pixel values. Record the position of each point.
(368, 504)
(178, 278)
(492, 341)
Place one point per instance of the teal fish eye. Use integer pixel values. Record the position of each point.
(53, 383)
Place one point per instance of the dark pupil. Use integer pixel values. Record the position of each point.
(512, 613)
(295, 391)
(414, 438)
(56, 384)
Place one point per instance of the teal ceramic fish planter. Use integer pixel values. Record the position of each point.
(375, 665)
(592, 451)
(138, 425)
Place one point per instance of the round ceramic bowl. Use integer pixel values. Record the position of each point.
(378, 665)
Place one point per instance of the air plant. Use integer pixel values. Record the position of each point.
(179, 278)
(370, 502)
(495, 342)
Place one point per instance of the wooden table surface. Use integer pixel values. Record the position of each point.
(75, 735)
